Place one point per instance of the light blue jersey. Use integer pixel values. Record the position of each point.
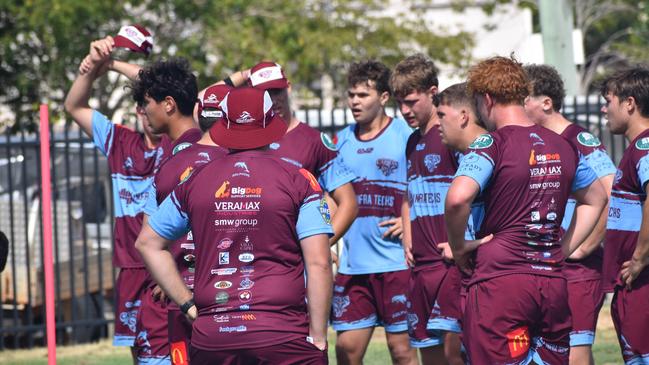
(380, 164)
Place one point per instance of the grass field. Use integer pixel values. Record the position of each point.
(606, 350)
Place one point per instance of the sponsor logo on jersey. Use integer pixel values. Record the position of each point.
(224, 258)
(544, 158)
(221, 297)
(274, 146)
(245, 317)
(327, 142)
(130, 198)
(545, 171)
(244, 307)
(223, 191)
(642, 144)
(223, 284)
(221, 318)
(483, 141)
(246, 257)
(224, 244)
(245, 192)
(128, 163)
(189, 257)
(246, 283)
(245, 296)
(186, 175)
(324, 211)
(180, 147)
(420, 146)
(536, 140)
(233, 329)
(236, 223)
(246, 245)
(312, 180)
(361, 151)
(387, 166)
(431, 161)
(225, 271)
(588, 140)
(518, 341)
(237, 206)
(242, 169)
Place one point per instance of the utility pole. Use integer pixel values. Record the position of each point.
(556, 28)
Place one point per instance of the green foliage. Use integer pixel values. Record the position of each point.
(42, 42)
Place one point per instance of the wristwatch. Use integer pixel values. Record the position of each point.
(185, 306)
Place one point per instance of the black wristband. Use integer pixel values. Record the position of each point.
(228, 81)
(185, 306)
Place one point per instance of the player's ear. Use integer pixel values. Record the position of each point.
(385, 96)
(169, 104)
(547, 104)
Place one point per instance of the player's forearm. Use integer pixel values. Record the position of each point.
(319, 292)
(346, 211)
(405, 217)
(595, 238)
(161, 265)
(129, 70)
(584, 221)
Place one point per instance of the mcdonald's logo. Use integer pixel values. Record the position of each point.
(518, 341)
(179, 353)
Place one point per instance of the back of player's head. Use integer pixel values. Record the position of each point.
(167, 78)
(456, 96)
(503, 78)
(546, 81)
(416, 73)
(370, 72)
(631, 82)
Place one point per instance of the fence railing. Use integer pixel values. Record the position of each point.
(82, 214)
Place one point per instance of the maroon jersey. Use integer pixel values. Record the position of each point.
(313, 150)
(625, 211)
(132, 166)
(431, 167)
(589, 268)
(248, 211)
(525, 175)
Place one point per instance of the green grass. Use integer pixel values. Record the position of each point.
(606, 349)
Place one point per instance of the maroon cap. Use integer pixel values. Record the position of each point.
(208, 106)
(268, 75)
(249, 120)
(134, 37)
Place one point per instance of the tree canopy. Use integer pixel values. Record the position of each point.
(42, 42)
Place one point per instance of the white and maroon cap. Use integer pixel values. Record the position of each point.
(134, 37)
(268, 75)
(249, 120)
(208, 106)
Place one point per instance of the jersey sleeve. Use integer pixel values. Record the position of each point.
(103, 132)
(151, 203)
(314, 217)
(596, 156)
(335, 174)
(478, 163)
(169, 220)
(643, 170)
(584, 176)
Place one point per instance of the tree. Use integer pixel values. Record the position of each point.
(42, 42)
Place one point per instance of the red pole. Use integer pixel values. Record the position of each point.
(48, 263)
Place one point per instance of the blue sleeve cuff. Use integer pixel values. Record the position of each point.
(103, 131)
(601, 163)
(643, 170)
(479, 167)
(169, 221)
(335, 174)
(584, 176)
(314, 219)
(151, 204)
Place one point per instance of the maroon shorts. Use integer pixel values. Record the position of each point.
(368, 300)
(129, 287)
(180, 335)
(296, 352)
(516, 318)
(434, 307)
(630, 312)
(152, 340)
(585, 299)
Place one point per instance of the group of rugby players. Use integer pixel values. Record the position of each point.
(476, 238)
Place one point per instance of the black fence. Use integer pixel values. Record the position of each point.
(82, 212)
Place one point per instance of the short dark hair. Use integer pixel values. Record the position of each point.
(545, 80)
(365, 71)
(630, 82)
(457, 95)
(416, 73)
(167, 78)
